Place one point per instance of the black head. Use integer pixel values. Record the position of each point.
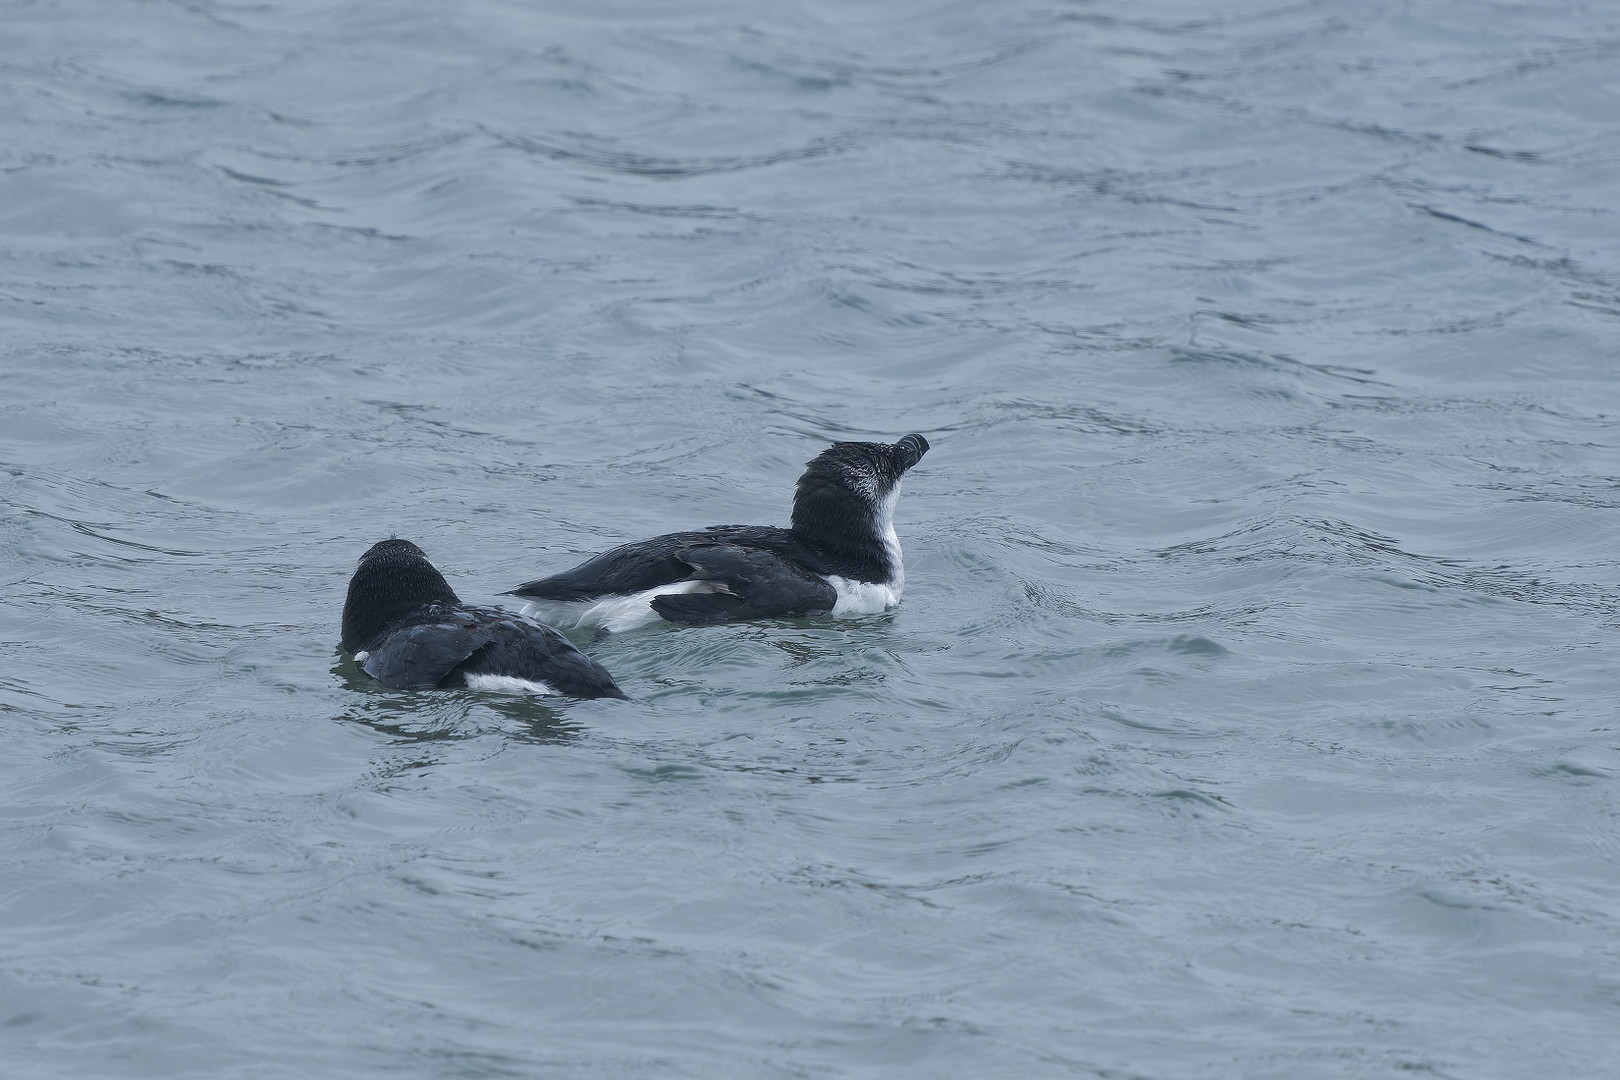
(848, 490)
(393, 579)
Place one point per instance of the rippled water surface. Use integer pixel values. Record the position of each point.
(1251, 710)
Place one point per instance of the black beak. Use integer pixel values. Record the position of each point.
(913, 447)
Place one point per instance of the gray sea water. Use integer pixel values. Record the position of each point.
(1251, 710)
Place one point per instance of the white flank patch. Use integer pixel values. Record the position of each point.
(360, 657)
(611, 613)
(863, 597)
(507, 684)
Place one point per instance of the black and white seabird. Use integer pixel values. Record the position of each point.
(408, 630)
(840, 556)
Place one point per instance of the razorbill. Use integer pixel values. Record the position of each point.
(840, 556)
(408, 630)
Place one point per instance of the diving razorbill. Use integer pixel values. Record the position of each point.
(840, 555)
(408, 630)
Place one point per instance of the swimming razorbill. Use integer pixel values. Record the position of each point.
(408, 630)
(840, 555)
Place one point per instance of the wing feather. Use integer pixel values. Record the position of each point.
(419, 657)
(755, 584)
(647, 564)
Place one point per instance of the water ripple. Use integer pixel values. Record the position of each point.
(1250, 708)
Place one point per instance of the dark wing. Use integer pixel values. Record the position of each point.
(646, 564)
(531, 650)
(754, 584)
(418, 657)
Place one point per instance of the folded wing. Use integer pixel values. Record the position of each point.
(750, 583)
(530, 650)
(646, 564)
(419, 657)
